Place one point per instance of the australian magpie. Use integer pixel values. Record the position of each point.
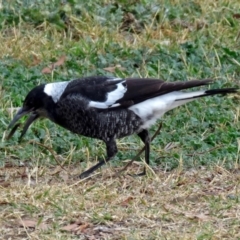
(108, 108)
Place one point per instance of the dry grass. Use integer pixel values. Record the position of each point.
(42, 202)
(45, 203)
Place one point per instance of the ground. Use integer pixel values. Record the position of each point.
(51, 204)
(191, 190)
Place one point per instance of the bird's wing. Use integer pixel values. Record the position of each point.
(139, 90)
(106, 92)
(99, 92)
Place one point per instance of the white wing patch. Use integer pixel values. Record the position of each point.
(55, 90)
(115, 79)
(112, 97)
(117, 94)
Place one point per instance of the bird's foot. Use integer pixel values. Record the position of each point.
(85, 174)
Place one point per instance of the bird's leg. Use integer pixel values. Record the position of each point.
(144, 135)
(111, 147)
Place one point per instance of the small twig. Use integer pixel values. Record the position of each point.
(126, 148)
(238, 36)
(140, 152)
(51, 151)
(201, 153)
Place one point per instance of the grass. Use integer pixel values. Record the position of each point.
(194, 192)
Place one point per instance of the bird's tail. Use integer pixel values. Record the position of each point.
(154, 108)
(197, 94)
(222, 91)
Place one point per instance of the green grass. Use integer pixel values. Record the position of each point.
(171, 40)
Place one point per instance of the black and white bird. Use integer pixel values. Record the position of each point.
(109, 108)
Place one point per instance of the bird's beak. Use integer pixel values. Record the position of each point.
(22, 112)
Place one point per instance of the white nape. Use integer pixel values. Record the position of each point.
(153, 109)
(55, 90)
(112, 97)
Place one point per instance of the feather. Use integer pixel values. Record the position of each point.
(139, 90)
(93, 88)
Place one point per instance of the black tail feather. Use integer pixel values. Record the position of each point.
(221, 91)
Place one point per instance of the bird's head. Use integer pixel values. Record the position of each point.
(35, 104)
